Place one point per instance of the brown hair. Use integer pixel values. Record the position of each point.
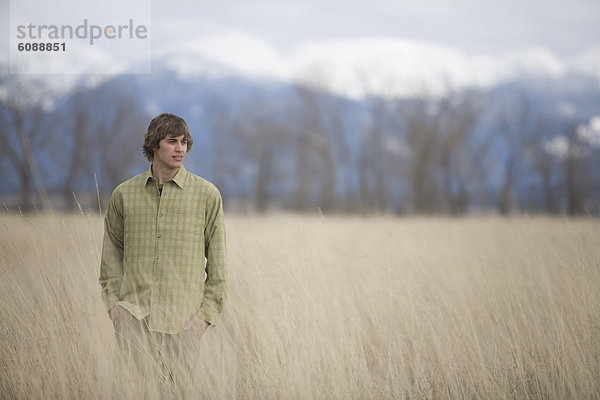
(161, 126)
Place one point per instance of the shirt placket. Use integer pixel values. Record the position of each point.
(155, 306)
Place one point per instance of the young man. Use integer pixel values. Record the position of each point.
(163, 270)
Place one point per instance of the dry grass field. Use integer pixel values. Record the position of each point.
(328, 308)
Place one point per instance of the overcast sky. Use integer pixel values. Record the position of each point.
(478, 37)
(567, 28)
(564, 27)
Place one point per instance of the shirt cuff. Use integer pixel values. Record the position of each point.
(111, 301)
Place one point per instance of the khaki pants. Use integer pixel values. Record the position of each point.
(167, 363)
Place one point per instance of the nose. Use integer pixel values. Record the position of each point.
(180, 146)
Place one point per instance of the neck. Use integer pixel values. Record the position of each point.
(163, 174)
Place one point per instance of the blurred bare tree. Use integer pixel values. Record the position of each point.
(265, 139)
(79, 162)
(372, 159)
(262, 139)
(422, 138)
(460, 154)
(544, 166)
(100, 134)
(24, 134)
(580, 166)
(118, 132)
(518, 123)
(227, 162)
(320, 146)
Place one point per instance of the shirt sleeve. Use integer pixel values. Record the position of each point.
(215, 286)
(111, 264)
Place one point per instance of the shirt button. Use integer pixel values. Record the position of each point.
(156, 279)
(158, 235)
(157, 258)
(161, 214)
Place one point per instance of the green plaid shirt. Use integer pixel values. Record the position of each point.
(163, 256)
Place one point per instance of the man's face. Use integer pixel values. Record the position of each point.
(170, 153)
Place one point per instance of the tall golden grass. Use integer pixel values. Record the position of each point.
(333, 308)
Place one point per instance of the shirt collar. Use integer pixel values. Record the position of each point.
(178, 179)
